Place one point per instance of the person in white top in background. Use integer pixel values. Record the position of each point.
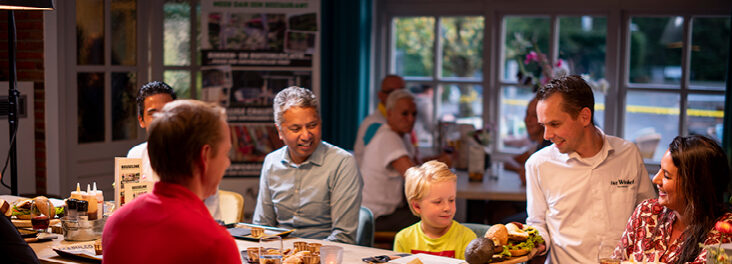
(150, 99)
(371, 123)
(582, 188)
(386, 158)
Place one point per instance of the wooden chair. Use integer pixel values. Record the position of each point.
(232, 206)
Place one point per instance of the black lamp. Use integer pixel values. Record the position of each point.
(13, 93)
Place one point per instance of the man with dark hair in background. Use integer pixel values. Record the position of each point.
(150, 99)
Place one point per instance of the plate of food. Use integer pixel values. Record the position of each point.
(20, 211)
(254, 232)
(84, 251)
(505, 244)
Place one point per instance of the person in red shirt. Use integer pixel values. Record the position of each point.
(188, 146)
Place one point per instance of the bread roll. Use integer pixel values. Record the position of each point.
(515, 233)
(45, 206)
(499, 234)
(5, 208)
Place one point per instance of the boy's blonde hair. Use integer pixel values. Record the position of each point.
(420, 179)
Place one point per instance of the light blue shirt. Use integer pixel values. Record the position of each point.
(319, 198)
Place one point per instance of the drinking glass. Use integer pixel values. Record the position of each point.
(606, 255)
(270, 250)
(331, 254)
(41, 212)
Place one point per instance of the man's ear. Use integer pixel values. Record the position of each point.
(203, 158)
(585, 116)
(142, 121)
(279, 132)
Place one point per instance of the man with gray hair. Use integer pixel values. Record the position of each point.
(386, 157)
(308, 185)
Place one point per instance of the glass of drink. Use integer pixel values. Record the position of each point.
(331, 254)
(606, 255)
(270, 251)
(41, 212)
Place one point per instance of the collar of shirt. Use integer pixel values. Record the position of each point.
(317, 158)
(604, 151)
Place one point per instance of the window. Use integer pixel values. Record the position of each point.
(106, 70)
(675, 85)
(449, 85)
(181, 59)
(528, 61)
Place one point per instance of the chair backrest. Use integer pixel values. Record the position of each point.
(478, 229)
(365, 232)
(232, 206)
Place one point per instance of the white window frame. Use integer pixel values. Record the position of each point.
(617, 45)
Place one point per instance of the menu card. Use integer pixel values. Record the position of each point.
(127, 181)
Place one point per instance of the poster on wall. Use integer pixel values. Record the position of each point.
(251, 50)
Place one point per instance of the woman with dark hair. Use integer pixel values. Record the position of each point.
(693, 177)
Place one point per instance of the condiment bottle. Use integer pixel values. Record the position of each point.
(78, 194)
(91, 198)
(100, 201)
(82, 207)
(71, 208)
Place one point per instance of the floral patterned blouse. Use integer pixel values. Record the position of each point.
(649, 231)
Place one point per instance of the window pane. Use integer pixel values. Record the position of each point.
(524, 35)
(651, 121)
(599, 116)
(706, 115)
(513, 135)
(462, 46)
(124, 31)
(655, 49)
(709, 52)
(124, 106)
(90, 32)
(582, 46)
(90, 106)
(180, 81)
(461, 103)
(425, 125)
(177, 33)
(414, 38)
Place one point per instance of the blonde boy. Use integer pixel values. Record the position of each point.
(430, 191)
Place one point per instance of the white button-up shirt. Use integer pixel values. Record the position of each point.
(575, 203)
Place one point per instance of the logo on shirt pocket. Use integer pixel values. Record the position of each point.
(622, 183)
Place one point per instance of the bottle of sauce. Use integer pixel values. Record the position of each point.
(91, 198)
(100, 201)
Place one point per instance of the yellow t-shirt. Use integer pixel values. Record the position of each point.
(412, 240)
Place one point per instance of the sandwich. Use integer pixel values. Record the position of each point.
(22, 208)
(513, 239)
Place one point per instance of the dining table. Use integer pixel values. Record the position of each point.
(498, 184)
(352, 254)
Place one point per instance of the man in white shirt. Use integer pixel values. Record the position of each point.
(371, 123)
(583, 188)
(150, 99)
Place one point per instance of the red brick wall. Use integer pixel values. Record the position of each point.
(29, 68)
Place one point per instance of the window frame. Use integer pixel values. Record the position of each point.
(616, 56)
(158, 67)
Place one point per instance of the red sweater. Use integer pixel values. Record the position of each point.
(170, 225)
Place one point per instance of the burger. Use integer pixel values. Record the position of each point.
(513, 239)
(22, 208)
